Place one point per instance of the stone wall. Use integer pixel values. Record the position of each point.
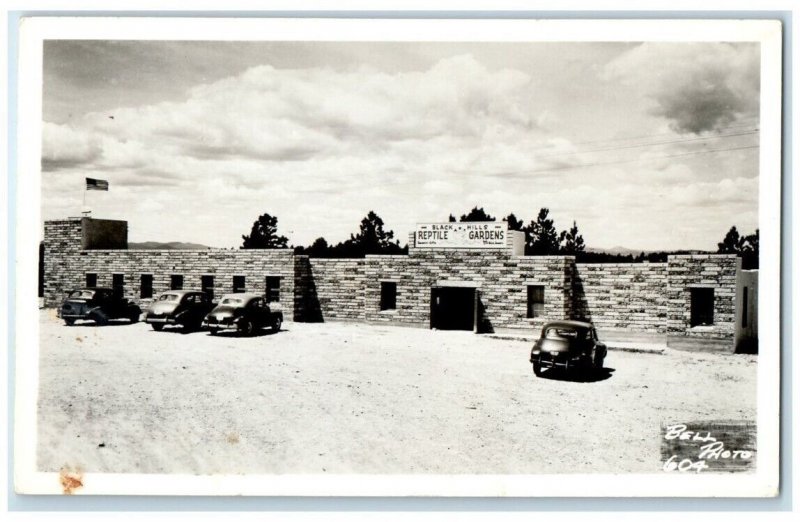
(629, 296)
(500, 279)
(338, 288)
(653, 298)
(718, 272)
(66, 267)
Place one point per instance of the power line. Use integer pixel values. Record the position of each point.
(569, 167)
(645, 136)
(666, 142)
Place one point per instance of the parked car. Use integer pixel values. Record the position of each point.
(245, 313)
(185, 308)
(97, 304)
(570, 345)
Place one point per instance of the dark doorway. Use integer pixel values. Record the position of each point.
(453, 308)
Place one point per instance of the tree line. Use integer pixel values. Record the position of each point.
(541, 238)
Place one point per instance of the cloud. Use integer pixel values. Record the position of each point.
(319, 147)
(64, 147)
(696, 87)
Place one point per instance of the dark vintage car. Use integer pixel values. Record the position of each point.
(245, 313)
(185, 308)
(568, 345)
(97, 304)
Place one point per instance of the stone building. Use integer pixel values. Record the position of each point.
(468, 276)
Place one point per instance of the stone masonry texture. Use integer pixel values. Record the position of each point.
(639, 297)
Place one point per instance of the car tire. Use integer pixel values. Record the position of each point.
(537, 368)
(69, 322)
(213, 331)
(247, 328)
(276, 325)
(157, 326)
(100, 319)
(598, 361)
(134, 317)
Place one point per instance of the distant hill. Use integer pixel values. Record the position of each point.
(619, 250)
(172, 245)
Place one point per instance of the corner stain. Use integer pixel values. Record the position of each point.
(70, 480)
(233, 438)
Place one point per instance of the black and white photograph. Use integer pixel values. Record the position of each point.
(400, 258)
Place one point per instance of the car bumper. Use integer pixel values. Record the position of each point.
(160, 320)
(220, 326)
(559, 359)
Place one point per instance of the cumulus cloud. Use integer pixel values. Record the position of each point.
(63, 147)
(319, 147)
(696, 87)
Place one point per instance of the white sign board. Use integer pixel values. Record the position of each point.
(483, 234)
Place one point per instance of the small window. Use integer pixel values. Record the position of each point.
(146, 287)
(535, 301)
(176, 282)
(388, 295)
(238, 284)
(744, 307)
(118, 284)
(207, 285)
(273, 289)
(702, 306)
(91, 280)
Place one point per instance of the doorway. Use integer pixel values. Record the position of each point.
(453, 308)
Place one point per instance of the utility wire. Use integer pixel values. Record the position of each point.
(645, 136)
(666, 142)
(569, 167)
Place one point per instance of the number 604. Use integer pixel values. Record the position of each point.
(684, 465)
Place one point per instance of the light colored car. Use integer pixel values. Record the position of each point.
(185, 308)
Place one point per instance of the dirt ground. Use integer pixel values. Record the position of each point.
(352, 398)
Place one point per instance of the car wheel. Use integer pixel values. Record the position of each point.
(134, 317)
(100, 319)
(537, 368)
(598, 361)
(157, 326)
(276, 325)
(246, 328)
(69, 322)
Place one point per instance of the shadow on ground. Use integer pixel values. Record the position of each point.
(558, 374)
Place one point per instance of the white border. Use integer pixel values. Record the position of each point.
(34, 30)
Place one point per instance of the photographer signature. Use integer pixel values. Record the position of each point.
(711, 450)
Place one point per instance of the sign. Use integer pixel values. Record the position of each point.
(482, 234)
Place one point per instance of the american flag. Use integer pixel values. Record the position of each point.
(96, 184)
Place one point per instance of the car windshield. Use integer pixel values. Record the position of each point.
(561, 332)
(232, 301)
(82, 294)
(168, 297)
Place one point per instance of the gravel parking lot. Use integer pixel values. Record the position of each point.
(353, 398)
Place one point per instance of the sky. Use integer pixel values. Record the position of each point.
(649, 146)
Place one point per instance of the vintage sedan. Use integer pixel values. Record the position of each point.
(244, 313)
(185, 308)
(570, 345)
(97, 304)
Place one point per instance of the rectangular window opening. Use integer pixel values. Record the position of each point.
(388, 295)
(702, 307)
(91, 280)
(238, 284)
(273, 289)
(744, 307)
(146, 287)
(176, 282)
(118, 284)
(535, 306)
(207, 285)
